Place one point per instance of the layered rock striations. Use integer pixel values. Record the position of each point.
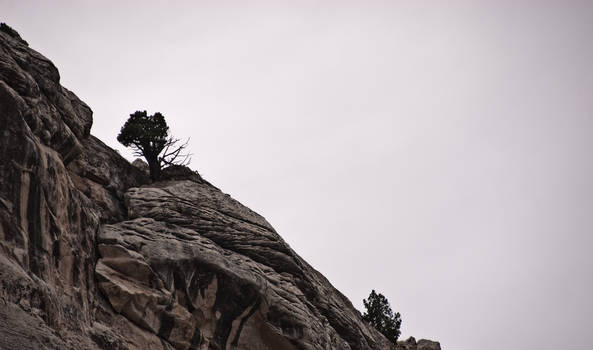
(95, 256)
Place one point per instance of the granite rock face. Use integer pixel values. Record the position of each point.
(95, 256)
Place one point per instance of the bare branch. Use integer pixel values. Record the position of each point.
(172, 154)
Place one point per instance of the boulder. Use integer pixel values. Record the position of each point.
(422, 344)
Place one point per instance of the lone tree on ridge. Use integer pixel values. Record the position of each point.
(148, 136)
(379, 314)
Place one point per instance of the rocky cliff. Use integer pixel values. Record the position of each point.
(95, 256)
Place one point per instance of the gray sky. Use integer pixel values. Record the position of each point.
(437, 151)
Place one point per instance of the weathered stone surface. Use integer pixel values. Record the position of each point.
(180, 172)
(47, 229)
(187, 289)
(48, 225)
(237, 230)
(422, 344)
(142, 165)
(103, 176)
(94, 256)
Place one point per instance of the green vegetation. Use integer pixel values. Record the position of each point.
(379, 314)
(148, 136)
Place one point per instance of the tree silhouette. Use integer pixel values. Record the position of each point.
(148, 136)
(379, 314)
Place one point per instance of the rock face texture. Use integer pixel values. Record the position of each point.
(199, 269)
(94, 256)
(422, 344)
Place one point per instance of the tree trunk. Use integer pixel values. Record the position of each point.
(155, 168)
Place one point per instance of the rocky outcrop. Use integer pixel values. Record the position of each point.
(94, 256)
(103, 176)
(422, 344)
(192, 258)
(47, 227)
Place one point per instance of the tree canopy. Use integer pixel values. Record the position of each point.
(379, 314)
(148, 136)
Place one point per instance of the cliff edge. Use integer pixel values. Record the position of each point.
(95, 256)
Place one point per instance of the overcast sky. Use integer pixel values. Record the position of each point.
(439, 152)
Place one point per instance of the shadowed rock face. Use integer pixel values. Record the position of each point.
(93, 256)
